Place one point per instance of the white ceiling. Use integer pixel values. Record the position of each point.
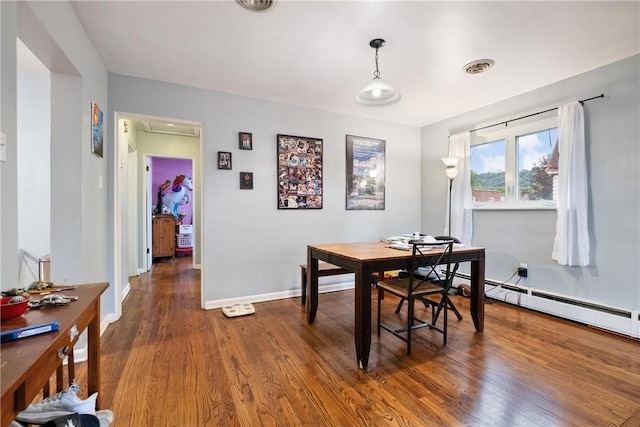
(317, 54)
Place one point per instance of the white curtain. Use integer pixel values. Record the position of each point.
(461, 202)
(571, 243)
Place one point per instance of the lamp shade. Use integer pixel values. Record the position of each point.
(451, 164)
(377, 93)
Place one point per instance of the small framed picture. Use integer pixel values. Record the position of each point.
(96, 130)
(246, 180)
(245, 141)
(224, 160)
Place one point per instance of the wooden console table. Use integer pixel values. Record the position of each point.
(28, 363)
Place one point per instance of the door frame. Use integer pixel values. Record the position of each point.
(121, 153)
(148, 212)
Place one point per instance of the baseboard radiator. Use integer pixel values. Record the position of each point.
(615, 319)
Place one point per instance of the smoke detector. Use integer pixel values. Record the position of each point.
(478, 66)
(257, 5)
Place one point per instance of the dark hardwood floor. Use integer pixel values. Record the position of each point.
(167, 362)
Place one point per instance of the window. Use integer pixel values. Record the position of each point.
(515, 167)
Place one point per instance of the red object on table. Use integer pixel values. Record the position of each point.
(9, 311)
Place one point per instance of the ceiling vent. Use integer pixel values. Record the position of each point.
(257, 5)
(478, 66)
(176, 129)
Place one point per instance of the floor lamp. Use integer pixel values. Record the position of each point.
(451, 170)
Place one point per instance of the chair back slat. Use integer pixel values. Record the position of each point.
(423, 257)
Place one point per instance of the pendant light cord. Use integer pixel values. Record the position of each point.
(376, 74)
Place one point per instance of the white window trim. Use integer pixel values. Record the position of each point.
(509, 133)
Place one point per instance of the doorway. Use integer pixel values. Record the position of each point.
(169, 192)
(140, 139)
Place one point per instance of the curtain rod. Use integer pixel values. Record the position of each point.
(506, 123)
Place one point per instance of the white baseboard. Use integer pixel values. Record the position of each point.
(108, 320)
(276, 295)
(615, 319)
(80, 354)
(126, 291)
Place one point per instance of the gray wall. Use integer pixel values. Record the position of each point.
(78, 206)
(514, 237)
(249, 246)
(34, 172)
(9, 169)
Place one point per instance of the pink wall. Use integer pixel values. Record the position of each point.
(167, 168)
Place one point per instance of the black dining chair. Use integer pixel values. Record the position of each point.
(454, 269)
(435, 260)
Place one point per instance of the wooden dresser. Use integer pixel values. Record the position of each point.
(163, 236)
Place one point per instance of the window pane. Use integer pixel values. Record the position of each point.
(537, 165)
(487, 172)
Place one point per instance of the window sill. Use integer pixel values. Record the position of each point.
(513, 207)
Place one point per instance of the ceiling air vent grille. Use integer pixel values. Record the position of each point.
(478, 66)
(174, 129)
(257, 5)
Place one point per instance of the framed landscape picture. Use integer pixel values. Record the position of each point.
(299, 172)
(365, 185)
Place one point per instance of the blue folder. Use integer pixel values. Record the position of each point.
(28, 331)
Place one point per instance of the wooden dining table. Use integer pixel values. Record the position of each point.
(366, 258)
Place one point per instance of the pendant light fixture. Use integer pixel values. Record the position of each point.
(377, 93)
(257, 5)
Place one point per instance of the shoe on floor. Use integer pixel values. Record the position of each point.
(60, 404)
(74, 420)
(105, 417)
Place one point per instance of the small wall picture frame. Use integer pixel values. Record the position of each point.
(246, 180)
(97, 146)
(245, 141)
(224, 160)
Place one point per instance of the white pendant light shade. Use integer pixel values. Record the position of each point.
(377, 93)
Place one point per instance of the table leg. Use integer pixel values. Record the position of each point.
(477, 292)
(362, 318)
(312, 286)
(93, 348)
(303, 282)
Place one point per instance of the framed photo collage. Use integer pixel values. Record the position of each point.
(299, 172)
